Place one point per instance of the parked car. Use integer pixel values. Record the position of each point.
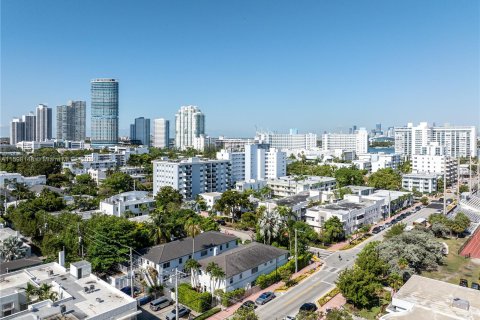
(160, 303)
(128, 290)
(376, 230)
(308, 306)
(221, 222)
(265, 297)
(464, 283)
(182, 312)
(475, 286)
(144, 300)
(249, 304)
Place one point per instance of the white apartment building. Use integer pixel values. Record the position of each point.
(189, 123)
(288, 185)
(250, 185)
(422, 182)
(12, 177)
(203, 142)
(43, 126)
(97, 175)
(357, 141)
(167, 257)
(95, 161)
(233, 144)
(434, 161)
(458, 141)
(353, 211)
(161, 133)
(255, 163)
(80, 294)
(137, 202)
(210, 198)
(291, 141)
(241, 266)
(379, 161)
(297, 203)
(192, 176)
(31, 146)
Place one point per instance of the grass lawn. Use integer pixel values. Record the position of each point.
(455, 267)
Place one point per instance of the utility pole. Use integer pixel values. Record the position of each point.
(131, 273)
(458, 180)
(470, 174)
(445, 190)
(389, 208)
(176, 294)
(296, 252)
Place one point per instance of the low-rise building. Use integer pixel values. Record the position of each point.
(433, 160)
(353, 211)
(7, 178)
(210, 198)
(297, 203)
(80, 295)
(289, 185)
(136, 202)
(242, 266)
(422, 298)
(379, 161)
(422, 182)
(251, 184)
(167, 257)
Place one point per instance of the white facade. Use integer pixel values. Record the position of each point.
(435, 162)
(192, 176)
(210, 198)
(203, 142)
(249, 261)
(422, 182)
(250, 185)
(457, 141)
(95, 161)
(12, 177)
(353, 211)
(289, 185)
(97, 175)
(161, 133)
(133, 201)
(44, 121)
(255, 163)
(379, 161)
(189, 123)
(357, 141)
(79, 291)
(290, 141)
(31, 146)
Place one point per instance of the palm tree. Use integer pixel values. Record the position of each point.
(216, 273)
(192, 265)
(45, 292)
(192, 228)
(395, 281)
(160, 228)
(31, 291)
(270, 224)
(12, 249)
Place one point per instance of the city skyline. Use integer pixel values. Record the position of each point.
(254, 62)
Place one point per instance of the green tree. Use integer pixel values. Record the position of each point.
(233, 203)
(216, 274)
(117, 182)
(270, 224)
(84, 185)
(332, 230)
(12, 248)
(463, 188)
(192, 228)
(424, 200)
(168, 199)
(245, 314)
(395, 230)
(192, 266)
(385, 179)
(359, 287)
(349, 176)
(405, 167)
(309, 315)
(338, 314)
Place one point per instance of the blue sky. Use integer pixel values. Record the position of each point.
(312, 65)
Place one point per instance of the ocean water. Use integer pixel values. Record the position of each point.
(384, 150)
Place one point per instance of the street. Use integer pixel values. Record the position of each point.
(310, 290)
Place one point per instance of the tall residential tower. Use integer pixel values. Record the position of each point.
(43, 125)
(104, 112)
(71, 121)
(189, 124)
(140, 131)
(161, 133)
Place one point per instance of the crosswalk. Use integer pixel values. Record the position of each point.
(321, 253)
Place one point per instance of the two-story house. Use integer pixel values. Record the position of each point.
(167, 257)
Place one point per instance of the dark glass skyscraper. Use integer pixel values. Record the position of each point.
(140, 131)
(104, 112)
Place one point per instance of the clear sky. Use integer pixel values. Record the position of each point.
(312, 65)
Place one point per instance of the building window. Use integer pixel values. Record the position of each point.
(227, 245)
(221, 247)
(204, 253)
(254, 270)
(166, 265)
(231, 280)
(180, 261)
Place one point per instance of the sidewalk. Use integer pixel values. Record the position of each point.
(335, 303)
(227, 312)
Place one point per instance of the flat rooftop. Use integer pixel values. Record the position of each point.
(292, 200)
(306, 179)
(436, 297)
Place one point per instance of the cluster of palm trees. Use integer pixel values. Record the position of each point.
(273, 223)
(40, 293)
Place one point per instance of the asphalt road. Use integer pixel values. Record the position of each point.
(322, 281)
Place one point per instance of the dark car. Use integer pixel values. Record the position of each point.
(221, 222)
(376, 230)
(249, 304)
(182, 312)
(264, 298)
(475, 286)
(128, 290)
(464, 283)
(308, 307)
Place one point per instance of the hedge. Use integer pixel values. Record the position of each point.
(208, 314)
(329, 296)
(266, 280)
(230, 298)
(197, 301)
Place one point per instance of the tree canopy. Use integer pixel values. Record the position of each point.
(387, 178)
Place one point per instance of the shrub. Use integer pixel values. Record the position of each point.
(230, 298)
(208, 314)
(197, 301)
(266, 280)
(329, 296)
